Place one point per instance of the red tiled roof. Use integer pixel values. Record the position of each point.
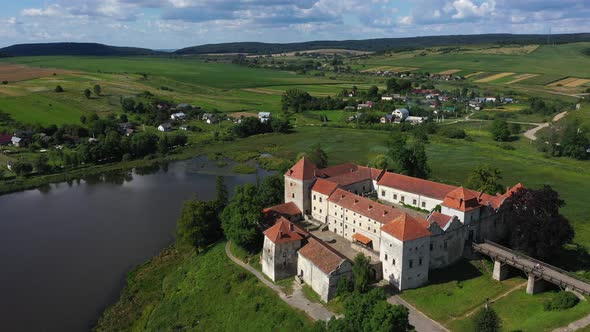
(514, 189)
(407, 228)
(337, 170)
(441, 219)
(284, 231)
(462, 199)
(325, 187)
(322, 255)
(302, 170)
(493, 201)
(364, 206)
(361, 238)
(351, 177)
(415, 185)
(289, 209)
(375, 172)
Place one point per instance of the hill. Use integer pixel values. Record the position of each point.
(92, 49)
(382, 44)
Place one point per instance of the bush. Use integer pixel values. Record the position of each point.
(4, 82)
(59, 89)
(452, 132)
(486, 320)
(561, 301)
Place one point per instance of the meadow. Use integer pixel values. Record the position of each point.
(178, 290)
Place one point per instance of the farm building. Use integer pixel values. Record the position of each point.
(264, 117)
(401, 113)
(17, 141)
(178, 116)
(164, 127)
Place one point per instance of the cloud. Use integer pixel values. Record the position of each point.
(49, 11)
(465, 9)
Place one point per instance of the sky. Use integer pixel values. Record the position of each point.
(172, 24)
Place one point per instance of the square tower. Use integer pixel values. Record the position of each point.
(298, 182)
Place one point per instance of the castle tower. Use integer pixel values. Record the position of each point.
(279, 254)
(298, 182)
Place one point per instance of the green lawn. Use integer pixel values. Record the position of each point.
(456, 290)
(524, 312)
(207, 292)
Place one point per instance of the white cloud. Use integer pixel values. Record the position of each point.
(49, 11)
(467, 9)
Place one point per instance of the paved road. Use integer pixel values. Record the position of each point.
(297, 300)
(420, 321)
(522, 262)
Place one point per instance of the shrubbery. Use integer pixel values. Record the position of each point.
(452, 132)
(561, 301)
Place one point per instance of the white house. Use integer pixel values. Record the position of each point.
(264, 117)
(164, 127)
(178, 116)
(401, 113)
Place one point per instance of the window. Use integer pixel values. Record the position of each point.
(403, 199)
(385, 256)
(393, 261)
(382, 192)
(420, 261)
(314, 208)
(369, 227)
(394, 196)
(431, 247)
(320, 210)
(445, 244)
(293, 195)
(414, 202)
(340, 224)
(314, 197)
(360, 225)
(423, 204)
(374, 231)
(411, 263)
(346, 226)
(284, 254)
(353, 230)
(320, 199)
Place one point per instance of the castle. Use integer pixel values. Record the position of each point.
(403, 245)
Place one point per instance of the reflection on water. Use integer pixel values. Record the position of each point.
(65, 248)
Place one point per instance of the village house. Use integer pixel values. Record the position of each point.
(178, 116)
(387, 118)
(209, 118)
(403, 246)
(264, 117)
(17, 141)
(401, 113)
(165, 127)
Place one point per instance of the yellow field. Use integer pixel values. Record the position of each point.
(493, 77)
(563, 81)
(521, 77)
(474, 74)
(506, 50)
(578, 82)
(450, 72)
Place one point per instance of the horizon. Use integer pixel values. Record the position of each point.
(174, 24)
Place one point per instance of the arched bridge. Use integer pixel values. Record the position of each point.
(537, 271)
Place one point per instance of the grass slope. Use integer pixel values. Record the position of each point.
(183, 291)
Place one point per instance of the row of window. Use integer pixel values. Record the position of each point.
(411, 261)
(403, 199)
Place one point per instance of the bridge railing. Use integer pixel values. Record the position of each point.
(516, 253)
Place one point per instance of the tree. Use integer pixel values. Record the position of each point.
(392, 85)
(198, 225)
(295, 100)
(574, 143)
(271, 190)
(514, 128)
(97, 90)
(22, 168)
(486, 320)
(500, 131)
(41, 164)
(407, 159)
(318, 156)
(87, 93)
(485, 178)
(240, 220)
(163, 144)
(534, 223)
(128, 105)
(373, 92)
(361, 273)
(379, 161)
(83, 119)
(222, 194)
(387, 317)
(59, 89)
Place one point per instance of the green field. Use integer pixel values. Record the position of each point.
(561, 60)
(179, 290)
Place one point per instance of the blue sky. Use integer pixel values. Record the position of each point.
(179, 23)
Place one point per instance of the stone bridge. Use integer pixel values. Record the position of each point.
(537, 271)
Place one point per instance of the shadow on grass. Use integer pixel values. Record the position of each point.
(460, 271)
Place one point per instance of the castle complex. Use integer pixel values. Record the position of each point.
(374, 212)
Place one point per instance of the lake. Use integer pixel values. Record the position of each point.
(65, 250)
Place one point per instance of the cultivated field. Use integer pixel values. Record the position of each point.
(521, 77)
(570, 82)
(494, 77)
(14, 72)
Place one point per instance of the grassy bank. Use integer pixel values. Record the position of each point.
(179, 290)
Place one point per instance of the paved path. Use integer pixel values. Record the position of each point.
(420, 321)
(580, 323)
(297, 300)
(531, 133)
(547, 272)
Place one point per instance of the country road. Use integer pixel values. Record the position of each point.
(532, 133)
